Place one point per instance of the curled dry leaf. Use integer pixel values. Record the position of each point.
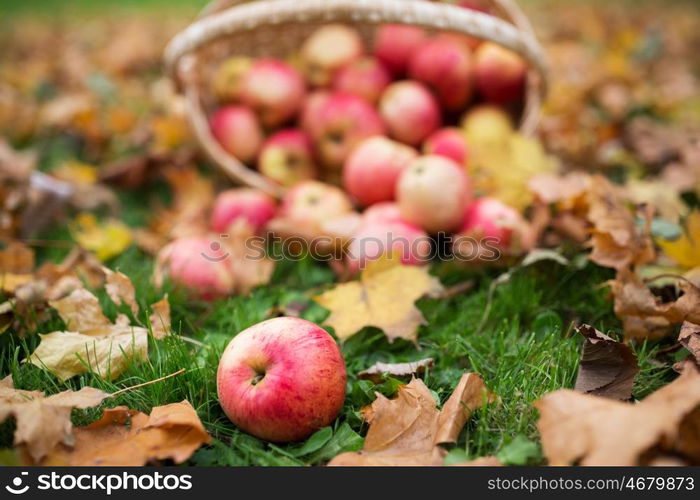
(689, 338)
(378, 371)
(607, 367)
(124, 437)
(617, 242)
(92, 342)
(409, 429)
(644, 315)
(160, 318)
(384, 297)
(120, 289)
(43, 422)
(590, 430)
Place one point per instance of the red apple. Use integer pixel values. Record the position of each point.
(500, 73)
(386, 211)
(254, 206)
(486, 124)
(340, 122)
(274, 90)
(228, 78)
(197, 264)
(327, 50)
(313, 103)
(375, 239)
(448, 142)
(313, 202)
(433, 193)
(373, 168)
(287, 157)
(410, 111)
(394, 44)
(365, 77)
(491, 218)
(445, 65)
(238, 131)
(281, 380)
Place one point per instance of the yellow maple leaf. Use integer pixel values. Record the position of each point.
(106, 239)
(503, 169)
(686, 249)
(384, 297)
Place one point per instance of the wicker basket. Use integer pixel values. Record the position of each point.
(274, 28)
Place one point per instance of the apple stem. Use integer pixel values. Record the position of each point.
(257, 378)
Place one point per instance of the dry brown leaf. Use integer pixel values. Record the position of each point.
(589, 430)
(384, 297)
(409, 429)
(616, 240)
(567, 191)
(124, 437)
(92, 342)
(378, 371)
(641, 310)
(120, 289)
(689, 338)
(607, 367)
(16, 258)
(249, 264)
(160, 318)
(43, 422)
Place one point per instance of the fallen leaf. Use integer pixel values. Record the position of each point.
(590, 430)
(247, 260)
(607, 367)
(160, 318)
(106, 239)
(16, 258)
(124, 437)
(617, 241)
(645, 315)
(384, 297)
(409, 429)
(686, 249)
(689, 338)
(91, 343)
(378, 371)
(120, 289)
(43, 422)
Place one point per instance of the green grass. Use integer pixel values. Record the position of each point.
(523, 350)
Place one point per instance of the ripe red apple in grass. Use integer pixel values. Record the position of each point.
(376, 238)
(287, 157)
(445, 65)
(313, 202)
(500, 73)
(274, 90)
(338, 123)
(327, 50)
(365, 77)
(281, 380)
(410, 112)
(198, 264)
(394, 44)
(448, 142)
(229, 77)
(373, 168)
(433, 193)
(254, 206)
(491, 218)
(238, 131)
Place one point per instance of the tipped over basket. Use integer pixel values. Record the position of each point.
(275, 28)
